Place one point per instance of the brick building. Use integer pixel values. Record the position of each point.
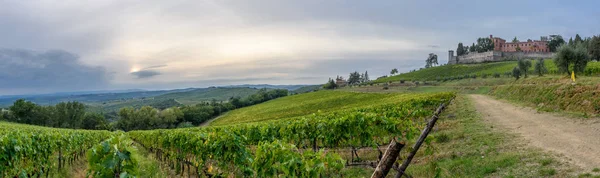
(527, 46)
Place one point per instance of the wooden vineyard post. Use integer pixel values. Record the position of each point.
(388, 159)
(420, 141)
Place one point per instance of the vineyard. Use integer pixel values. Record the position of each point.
(31, 151)
(308, 103)
(478, 70)
(298, 146)
(237, 149)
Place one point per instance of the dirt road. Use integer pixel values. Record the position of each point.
(575, 139)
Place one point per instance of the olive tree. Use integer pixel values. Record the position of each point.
(575, 56)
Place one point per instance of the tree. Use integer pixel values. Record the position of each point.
(431, 60)
(571, 41)
(94, 121)
(578, 39)
(394, 71)
(555, 42)
(484, 45)
(69, 115)
(330, 84)
(473, 48)
(354, 78)
(524, 66)
(515, 40)
(516, 73)
(594, 48)
(540, 67)
(367, 76)
(518, 49)
(576, 56)
(23, 111)
(460, 50)
(170, 116)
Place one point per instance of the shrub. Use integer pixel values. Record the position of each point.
(496, 75)
(516, 73)
(417, 83)
(540, 68)
(385, 86)
(401, 81)
(524, 66)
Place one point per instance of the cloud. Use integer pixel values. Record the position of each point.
(154, 67)
(145, 73)
(49, 70)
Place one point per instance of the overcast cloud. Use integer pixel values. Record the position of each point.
(49, 46)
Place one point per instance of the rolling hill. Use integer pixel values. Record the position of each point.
(308, 103)
(459, 70)
(190, 97)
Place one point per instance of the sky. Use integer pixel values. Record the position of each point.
(60, 46)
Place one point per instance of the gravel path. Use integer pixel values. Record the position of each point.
(577, 140)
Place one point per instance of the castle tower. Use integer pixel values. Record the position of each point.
(451, 58)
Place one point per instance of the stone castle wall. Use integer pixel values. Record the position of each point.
(495, 56)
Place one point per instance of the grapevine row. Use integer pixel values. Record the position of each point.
(31, 151)
(230, 148)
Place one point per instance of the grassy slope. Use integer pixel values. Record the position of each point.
(303, 104)
(471, 69)
(554, 94)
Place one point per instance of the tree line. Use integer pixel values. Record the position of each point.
(147, 117)
(73, 114)
(354, 78)
(62, 115)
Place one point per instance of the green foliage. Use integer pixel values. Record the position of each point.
(394, 71)
(571, 56)
(540, 67)
(276, 159)
(32, 151)
(484, 45)
(112, 158)
(431, 60)
(330, 84)
(62, 115)
(594, 48)
(354, 78)
(524, 66)
(473, 48)
(460, 50)
(578, 39)
(95, 121)
(555, 42)
(516, 73)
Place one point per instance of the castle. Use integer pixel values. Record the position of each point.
(531, 49)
